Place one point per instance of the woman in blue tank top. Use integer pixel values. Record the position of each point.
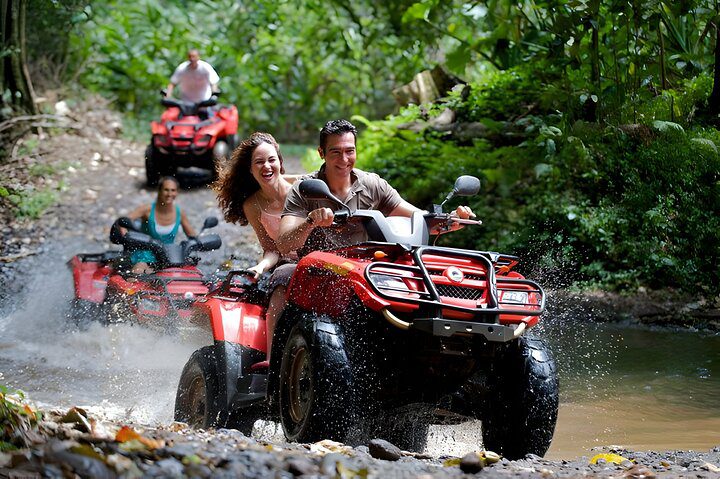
(162, 219)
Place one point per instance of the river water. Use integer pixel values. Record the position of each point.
(626, 386)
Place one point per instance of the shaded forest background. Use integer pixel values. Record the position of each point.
(592, 125)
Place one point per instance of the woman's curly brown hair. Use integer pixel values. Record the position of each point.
(235, 183)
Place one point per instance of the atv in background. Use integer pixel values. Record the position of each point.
(106, 288)
(190, 135)
(375, 328)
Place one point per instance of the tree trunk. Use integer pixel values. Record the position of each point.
(15, 77)
(714, 100)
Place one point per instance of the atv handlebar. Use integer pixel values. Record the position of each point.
(166, 254)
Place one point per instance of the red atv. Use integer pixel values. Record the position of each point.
(374, 328)
(106, 288)
(190, 134)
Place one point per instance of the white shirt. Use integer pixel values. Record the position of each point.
(195, 84)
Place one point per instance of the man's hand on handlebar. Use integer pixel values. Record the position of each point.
(455, 221)
(463, 212)
(322, 217)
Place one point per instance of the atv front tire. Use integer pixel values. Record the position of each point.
(316, 387)
(195, 402)
(152, 170)
(521, 410)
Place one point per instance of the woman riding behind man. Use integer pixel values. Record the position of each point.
(252, 189)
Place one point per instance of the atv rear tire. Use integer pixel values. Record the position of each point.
(316, 387)
(521, 410)
(152, 171)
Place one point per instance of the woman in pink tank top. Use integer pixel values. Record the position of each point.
(252, 189)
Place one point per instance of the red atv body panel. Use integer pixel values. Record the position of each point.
(89, 279)
(150, 301)
(326, 283)
(95, 280)
(192, 136)
(233, 321)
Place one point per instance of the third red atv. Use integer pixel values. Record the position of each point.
(106, 289)
(190, 134)
(377, 327)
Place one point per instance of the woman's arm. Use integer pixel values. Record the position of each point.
(186, 226)
(271, 255)
(142, 211)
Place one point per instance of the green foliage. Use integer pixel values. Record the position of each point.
(286, 76)
(17, 419)
(32, 203)
(615, 206)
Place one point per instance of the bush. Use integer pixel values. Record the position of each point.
(616, 206)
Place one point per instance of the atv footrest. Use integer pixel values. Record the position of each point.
(244, 400)
(252, 383)
(447, 327)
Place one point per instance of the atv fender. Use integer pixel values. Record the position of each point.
(230, 358)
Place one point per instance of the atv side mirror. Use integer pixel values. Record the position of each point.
(125, 222)
(466, 185)
(315, 189)
(210, 222)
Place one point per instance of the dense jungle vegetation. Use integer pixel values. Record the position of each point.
(592, 125)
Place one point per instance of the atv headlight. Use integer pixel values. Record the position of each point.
(515, 297)
(149, 305)
(203, 141)
(162, 140)
(386, 281)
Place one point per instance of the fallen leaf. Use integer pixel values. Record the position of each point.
(345, 472)
(609, 458)
(192, 459)
(452, 462)
(88, 451)
(127, 434)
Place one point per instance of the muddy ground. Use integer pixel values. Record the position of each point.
(99, 176)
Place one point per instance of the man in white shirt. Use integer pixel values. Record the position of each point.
(197, 79)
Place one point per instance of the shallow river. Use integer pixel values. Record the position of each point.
(637, 388)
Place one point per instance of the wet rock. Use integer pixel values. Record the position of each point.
(198, 470)
(382, 449)
(82, 465)
(331, 463)
(300, 466)
(639, 472)
(169, 468)
(472, 463)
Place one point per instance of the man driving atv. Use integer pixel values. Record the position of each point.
(197, 79)
(304, 224)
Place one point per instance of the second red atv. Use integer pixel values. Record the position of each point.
(375, 328)
(105, 287)
(190, 134)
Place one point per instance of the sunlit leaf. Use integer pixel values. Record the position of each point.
(418, 11)
(609, 458)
